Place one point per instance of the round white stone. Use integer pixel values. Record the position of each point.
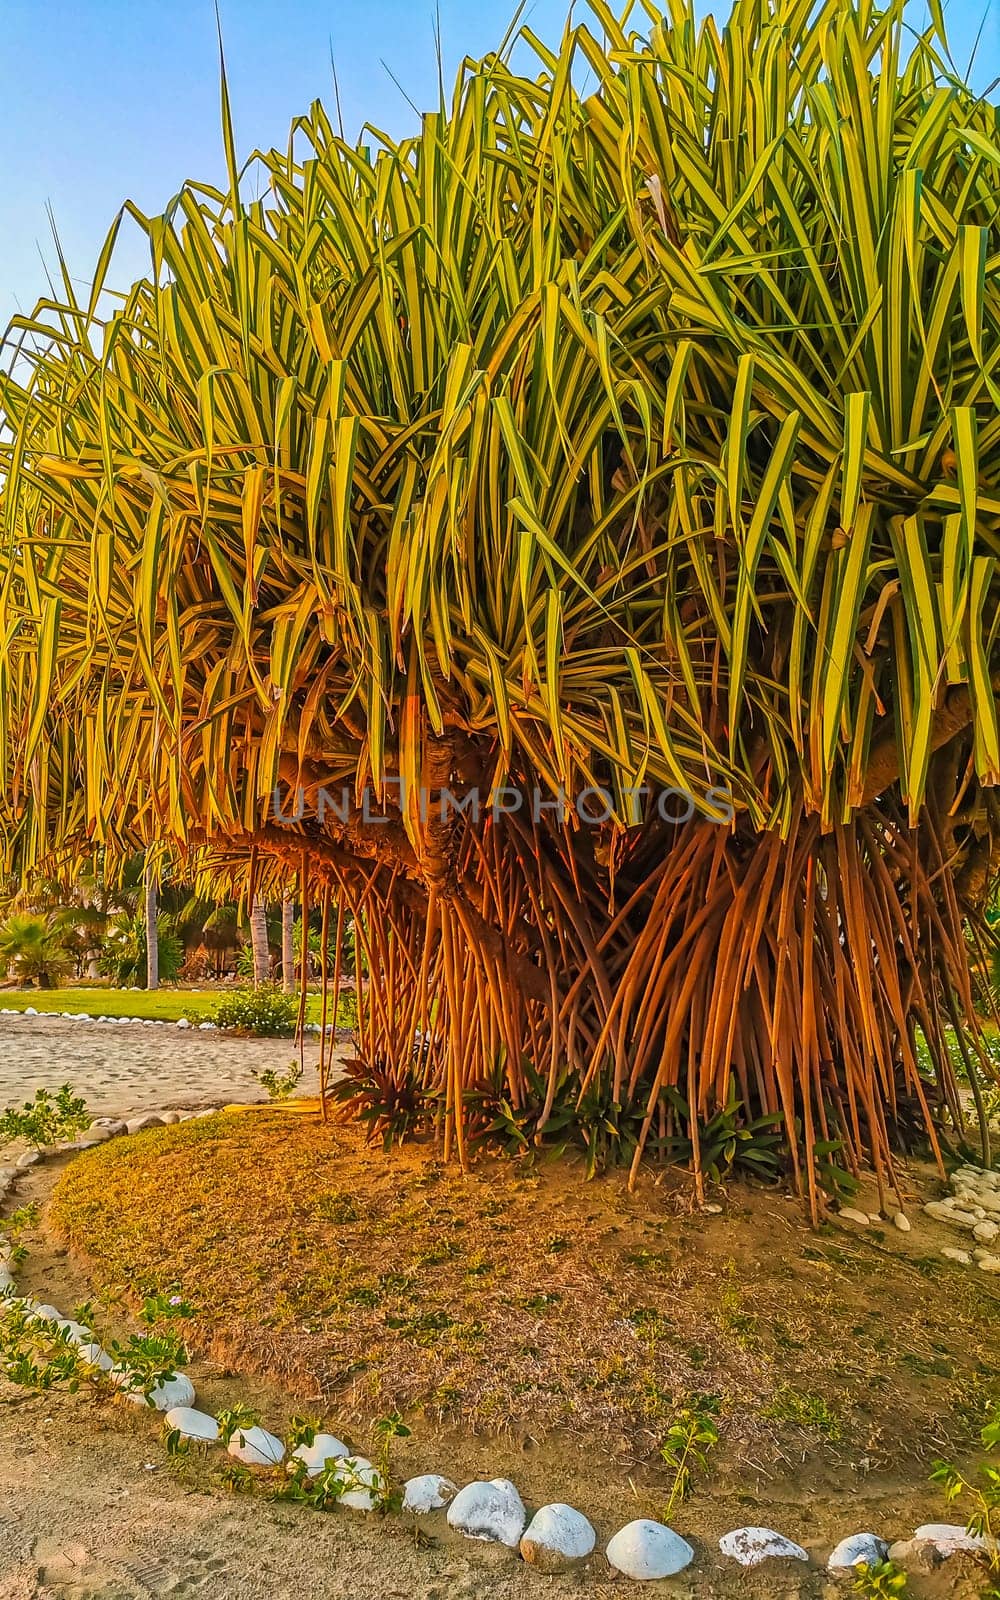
(645, 1549)
(175, 1391)
(255, 1447)
(751, 1546)
(557, 1536)
(365, 1489)
(182, 1022)
(191, 1424)
(324, 1448)
(948, 1538)
(961, 1256)
(44, 1313)
(856, 1550)
(902, 1222)
(428, 1492)
(850, 1214)
(29, 1011)
(75, 1332)
(491, 1511)
(92, 1355)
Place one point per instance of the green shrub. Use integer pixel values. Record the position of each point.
(266, 1010)
(47, 1119)
(280, 1085)
(124, 955)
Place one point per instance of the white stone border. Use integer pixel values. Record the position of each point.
(558, 1536)
(151, 1022)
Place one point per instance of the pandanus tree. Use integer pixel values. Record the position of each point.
(629, 435)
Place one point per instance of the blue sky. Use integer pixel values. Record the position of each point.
(103, 99)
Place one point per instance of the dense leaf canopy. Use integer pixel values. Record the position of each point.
(633, 423)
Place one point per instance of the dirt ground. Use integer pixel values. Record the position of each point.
(847, 1361)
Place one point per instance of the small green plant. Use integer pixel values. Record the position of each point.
(727, 1141)
(265, 1011)
(175, 1444)
(280, 1085)
(11, 1229)
(981, 1492)
(146, 1360)
(23, 1218)
(301, 1431)
(47, 1119)
(691, 1438)
(881, 1580)
(384, 1431)
(805, 1411)
(236, 1477)
(322, 1491)
(236, 1420)
(164, 1308)
(35, 1354)
(388, 1099)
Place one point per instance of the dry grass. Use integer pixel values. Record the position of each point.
(520, 1301)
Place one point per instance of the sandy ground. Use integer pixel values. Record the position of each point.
(94, 1513)
(91, 1508)
(125, 1068)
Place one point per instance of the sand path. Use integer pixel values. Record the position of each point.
(127, 1068)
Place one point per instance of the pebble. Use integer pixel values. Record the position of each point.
(915, 1555)
(114, 1127)
(645, 1549)
(428, 1492)
(902, 1222)
(191, 1424)
(856, 1550)
(989, 1264)
(751, 1546)
(556, 1538)
(255, 1447)
(149, 1120)
(325, 1447)
(986, 1232)
(848, 1214)
(491, 1511)
(961, 1256)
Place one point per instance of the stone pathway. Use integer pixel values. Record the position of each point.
(125, 1068)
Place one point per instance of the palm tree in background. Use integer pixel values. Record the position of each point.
(152, 932)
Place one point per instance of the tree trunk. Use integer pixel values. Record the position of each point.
(152, 936)
(288, 944)
(258, 941)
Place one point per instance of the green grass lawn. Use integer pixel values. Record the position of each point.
(163, 1004)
